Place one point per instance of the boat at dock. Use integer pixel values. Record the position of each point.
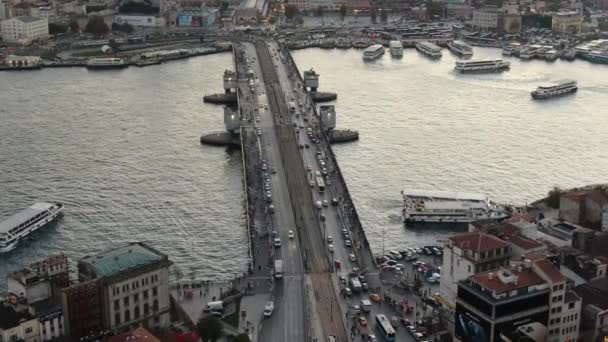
(481, 66)
(146, 62)
(396, 48)
(328, 44)
(511, 49)
(449, 207)
(361, 44)
(343, 44)
(597, 56)
(25, 222)
(565, 87)
(551, 55)
(530, 51)
(373, 52)
(429, 49)
(106, 63)
(460, 48)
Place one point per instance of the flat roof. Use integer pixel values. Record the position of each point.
(22, 216)
(117, 260)
(522, 279)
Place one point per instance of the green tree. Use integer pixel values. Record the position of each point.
(241, 338)
(383, 16)
(57, 28)
(343, 10)
(291, 11)
(96, 26)
(209, 329)
(553, 197)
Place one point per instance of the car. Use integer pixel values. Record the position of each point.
(406, 322)
(352, 257)
(277, 242)
(356, 309)
(364, 286)
(325, 204)
(418, 336)
(259, 131)
(348, 243)
(331, 338)
(268, 309)
(348, 292)
(342, 278)
(307, 145)
(391, 262)
(354, 271)
(308, 168)
(290, 234)
(344, 231)
(437, 276)
(372, 338)
(362, 321)
(274, 170)
(330, 247)
(264, 167)
(257, 119)
(374, 297)
(411, 329)
(330, 239)
(324, 172)
(334, 201)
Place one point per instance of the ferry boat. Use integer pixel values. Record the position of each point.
(106, 63)
(429, 49)
(551, 55)
(449, 207)
(597, 57)
(512, 49)
(529, 52)
(147, 61)
(396, 48)
(25, 222)
(564, 87)
(373, 52)
(481, 66)
(460, 48)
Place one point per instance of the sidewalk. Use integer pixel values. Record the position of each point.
(253, 306)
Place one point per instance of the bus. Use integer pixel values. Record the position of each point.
(278, 269)
(385, 328)
(320, 183)
(292, 107)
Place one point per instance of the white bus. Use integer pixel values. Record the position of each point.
(278, 269)
(320, 183)
(385, 328)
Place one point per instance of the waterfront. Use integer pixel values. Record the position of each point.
(120, 148)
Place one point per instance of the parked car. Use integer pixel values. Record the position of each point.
(362, 321)
(290, 234)
(374, 297)
(268, 309)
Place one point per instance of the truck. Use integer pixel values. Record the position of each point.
(355, 284)
(278, 269)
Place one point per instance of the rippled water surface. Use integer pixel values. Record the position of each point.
(121, 150)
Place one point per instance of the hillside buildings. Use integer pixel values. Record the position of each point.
(567, 22)
(24, 30)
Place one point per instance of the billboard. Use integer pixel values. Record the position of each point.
(189, 21)
(469, 327)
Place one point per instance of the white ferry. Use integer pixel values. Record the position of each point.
(396, 48)
(481, 66)
(429, 49)
(564, 87)
(529, 52)
(373, 52)
(511, 49)
(23, 223)
(449, 207)
(460, 48)
(106, 63)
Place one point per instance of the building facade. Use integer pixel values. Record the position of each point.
(24, 29)
(467, 254)
(567, 22)
(17, 325)
(487, 18)
(594, 320)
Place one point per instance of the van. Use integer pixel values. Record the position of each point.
(366, 305)
(214, 306)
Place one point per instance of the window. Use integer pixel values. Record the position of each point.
(28, 330)
(469, 268)
(561, 286)
(146, 308)
(136, 312)
(555, 287)
(14, 337)
(126, 301)
(145, 294)
(127, 315)
(155, 291)
(571, 305)
(117, 319)
(136, 298)
(116, 304)
(155, 305)
(156, 319)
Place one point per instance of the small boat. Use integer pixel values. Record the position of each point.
(25, 222)
(106, 63)
(373, 52)
(564, 87)
(149, 61)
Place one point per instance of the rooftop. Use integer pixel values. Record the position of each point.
(523, 242)
(25, 214)
(506, 279)
(9, 318)
(594, 293)
(478, 242)
(117, 260)
(597, 196)
(547, 267)
(28, 19)
(137, 335)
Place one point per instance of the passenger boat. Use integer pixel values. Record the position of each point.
(106, 63)
(449, 207)
(25, 222)
(529, 52)
(373, 52)
(481, 66)
(512, 49)
(396, 48)
(147, 61)
(429, 49)
(564, 87)
(551, 55)
(596, 56)
(460, 48)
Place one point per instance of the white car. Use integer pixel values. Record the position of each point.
(330, 247)
(352, 257)
(330, 239)
(290, 234)
(325, 204)
(268, 309)
(277, 242)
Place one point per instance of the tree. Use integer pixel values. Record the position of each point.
(291, 11)
(96, 26)
(383, 16)
(57, 28)
(241, 338)
(319, 11)
(210, 329)
(553, 197)
(74, 27)
(434, 9)
(343, 11)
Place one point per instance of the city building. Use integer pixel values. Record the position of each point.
(198, 17)
(119, 288)
(487, 17)
(467, 254)
(594, 313)
(135, 335)
(511, 23)
(588, 208)
(140, 20)
(517, 238)
(246, 16)
(567, 22)
(530, 300)
(17, 325)
(46, 12)
(24, 30)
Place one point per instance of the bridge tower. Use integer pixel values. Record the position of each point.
(311, 80)
(229, 81)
